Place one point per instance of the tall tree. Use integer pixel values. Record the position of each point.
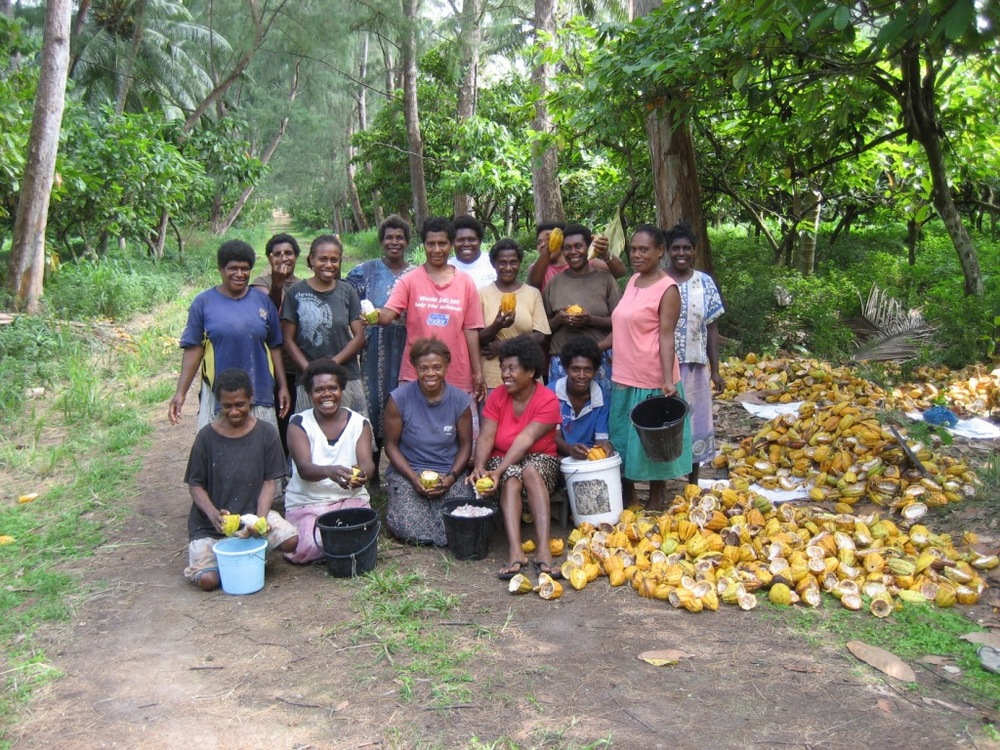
(545, 156)
(25, 277)
(469, 42)
(674, 161)
(411, 110)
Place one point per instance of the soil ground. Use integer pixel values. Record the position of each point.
(148, 661)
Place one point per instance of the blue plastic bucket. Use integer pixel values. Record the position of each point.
(241, 564)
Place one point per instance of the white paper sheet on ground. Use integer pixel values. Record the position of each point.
(973, 429)
(777, 497)
(770, 411)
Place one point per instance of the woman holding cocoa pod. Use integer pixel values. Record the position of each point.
(331, 451)
(579, 302)
(428, 440)
(515, 308)
(516, 451)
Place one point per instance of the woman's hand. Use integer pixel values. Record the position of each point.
(478, 386)
(478, 473)
(718, 383)
(174, 408)
(346, 478)
(579, 320)
(669, 389)
(215, 516)
(578, 451)
(284, 402)
(503, 320)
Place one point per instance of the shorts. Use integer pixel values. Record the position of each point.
(201, 553)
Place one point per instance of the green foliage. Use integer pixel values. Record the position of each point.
(31, 349)
(17, 92)
(119, 173)
(113, 287)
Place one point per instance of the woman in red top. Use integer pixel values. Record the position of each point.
(517, 449)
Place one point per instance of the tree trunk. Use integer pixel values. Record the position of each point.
(352, 189)
(804, 256)
(469, 40)
(920, 116)
(363, 123)
(25, 276)
(411, 113)
(125, 76)
(675, 169)
(675, 179)
(544, 157)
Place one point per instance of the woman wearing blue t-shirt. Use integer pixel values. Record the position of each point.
(232, 325)
(428, 427)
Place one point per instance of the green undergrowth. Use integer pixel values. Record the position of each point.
(76, 398)
(911, 633)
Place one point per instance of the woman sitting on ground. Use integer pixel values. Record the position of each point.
(517, 449)
(331, 449)
(428, 436)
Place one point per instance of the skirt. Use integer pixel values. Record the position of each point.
(414, 519)
(697, 380)
(637, 466)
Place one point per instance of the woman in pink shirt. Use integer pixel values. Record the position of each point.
(440, 302)
(642, 325)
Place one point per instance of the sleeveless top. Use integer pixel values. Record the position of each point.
(635, 323)
(343, 452)
(429, 439)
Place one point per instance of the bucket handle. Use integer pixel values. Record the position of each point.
(354, 555)
(316, 528)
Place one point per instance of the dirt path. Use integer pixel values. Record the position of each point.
(150, 662)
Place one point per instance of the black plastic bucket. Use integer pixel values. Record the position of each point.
(468, 538)
(659, 420)
(350, 539)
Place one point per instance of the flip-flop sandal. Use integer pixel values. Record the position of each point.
(552, 570)
(512, 569)
(989, 657)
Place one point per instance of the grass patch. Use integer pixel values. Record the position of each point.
(399, 614)
(912, 632)
(75, 396)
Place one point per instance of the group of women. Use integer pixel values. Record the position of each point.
(448, 379)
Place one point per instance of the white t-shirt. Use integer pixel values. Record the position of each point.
(481, 270)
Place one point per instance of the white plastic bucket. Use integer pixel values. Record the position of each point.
(594, 489)
(241, 564)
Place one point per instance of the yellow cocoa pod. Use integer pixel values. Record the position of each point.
(508, 302)
(780, 594)
(230, 524)
(528, 546)
(484, 485)
(428, 479)
(556, 547)
(596, 453)
(555, 240)
(575, 310)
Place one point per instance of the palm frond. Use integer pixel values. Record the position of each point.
(887, 331)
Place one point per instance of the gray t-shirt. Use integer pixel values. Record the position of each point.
(323, 320)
